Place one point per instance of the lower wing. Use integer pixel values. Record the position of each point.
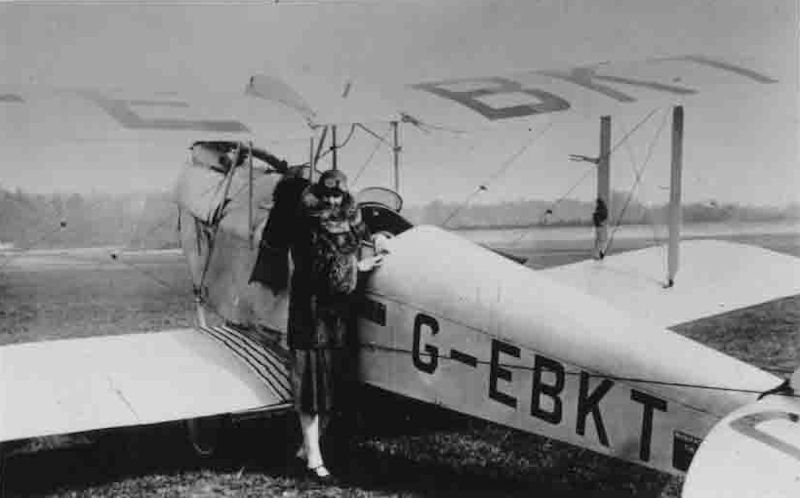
(714, 277)
(77, 385)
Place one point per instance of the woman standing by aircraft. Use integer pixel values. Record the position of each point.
(324, 234)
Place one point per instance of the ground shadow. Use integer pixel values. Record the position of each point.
(398, 447)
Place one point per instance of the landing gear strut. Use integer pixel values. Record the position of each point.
(201, 312)
(204, 434)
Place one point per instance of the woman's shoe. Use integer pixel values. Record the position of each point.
(301, 455)
(319, 473)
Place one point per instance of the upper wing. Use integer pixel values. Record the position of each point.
(513, 96)
(76, 385)
(715, 277)
(52, 115)
(462, 63)
(286, 107)
(100, 84)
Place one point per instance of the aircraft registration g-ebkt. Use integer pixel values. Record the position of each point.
(581, 353)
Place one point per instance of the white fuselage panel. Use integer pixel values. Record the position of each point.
(454, 324)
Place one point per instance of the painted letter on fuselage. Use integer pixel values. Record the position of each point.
(429, 365)
(649, 403)
(551, 391)
(590, 403)
(498, 372)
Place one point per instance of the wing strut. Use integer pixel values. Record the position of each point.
(602, 208)
(603, 185)
(675, 194)
(312, 166)
(250, 226)
(334, 162)
(318, 155)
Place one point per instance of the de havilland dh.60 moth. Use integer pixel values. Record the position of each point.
(582, 352)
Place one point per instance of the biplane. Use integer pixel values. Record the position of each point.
(582, 353)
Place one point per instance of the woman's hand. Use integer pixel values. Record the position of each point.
(370, 263)
(381, 242)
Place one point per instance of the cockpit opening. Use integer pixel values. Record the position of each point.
(380, 208)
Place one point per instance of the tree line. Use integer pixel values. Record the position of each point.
(570, 212)
(134, 221)
(149, 220)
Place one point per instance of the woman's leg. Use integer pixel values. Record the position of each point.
(309, 423)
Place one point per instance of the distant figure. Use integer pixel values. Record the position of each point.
(325, 249)
(599, 218)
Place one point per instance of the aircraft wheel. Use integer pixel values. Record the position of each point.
(204, 434)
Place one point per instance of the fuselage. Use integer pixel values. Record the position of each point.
(452, 323)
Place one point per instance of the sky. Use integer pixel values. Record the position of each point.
(741, 145)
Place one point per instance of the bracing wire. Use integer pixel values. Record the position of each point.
(504, 166)
(640, 380)
(510, 161)
(631, 132)
(337, 146)
(639, 172)
(372, 346)
(631, 154)
(114, 255)
(378, 142)
(463, 205)
(368, 346)
(633, 163)
(555, 204)
(17, 254)
(478, 361)
(158, 226)
(133, 266)
(349, 136)
(552, 207)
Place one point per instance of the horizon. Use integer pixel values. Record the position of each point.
(168, 191)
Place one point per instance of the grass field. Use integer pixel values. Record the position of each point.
(404, 449)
